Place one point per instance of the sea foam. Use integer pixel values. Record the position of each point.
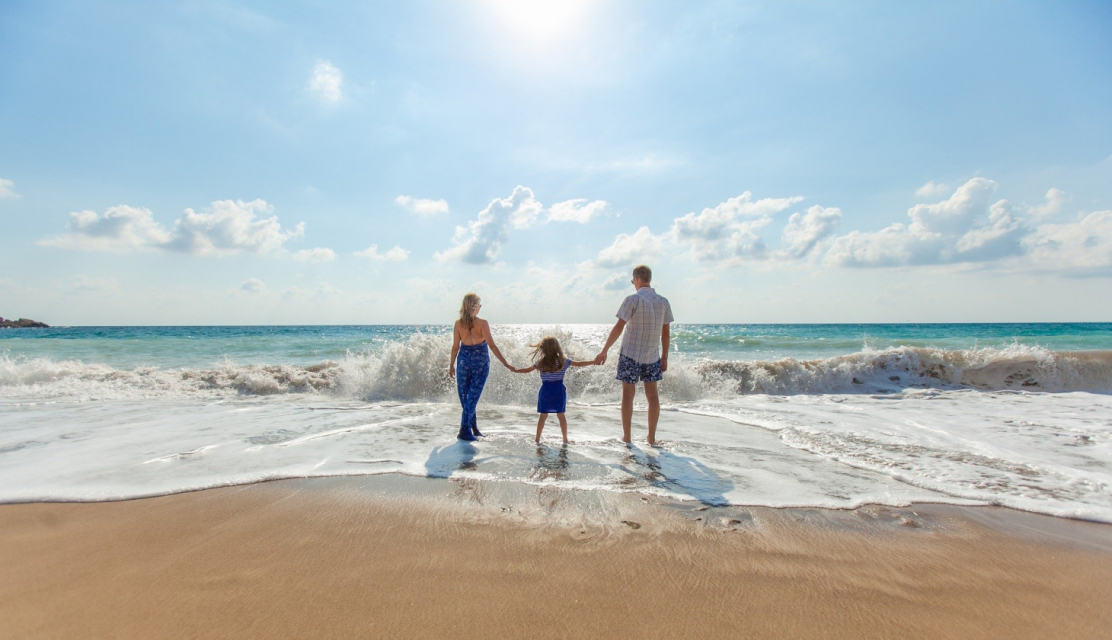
(416, 369)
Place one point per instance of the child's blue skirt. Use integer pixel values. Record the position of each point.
(553, 397)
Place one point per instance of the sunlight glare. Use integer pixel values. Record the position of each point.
(539, 21)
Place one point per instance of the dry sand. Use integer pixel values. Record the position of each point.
(442, 559)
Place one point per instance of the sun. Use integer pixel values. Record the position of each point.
(539, 21)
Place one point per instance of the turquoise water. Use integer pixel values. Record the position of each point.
(128, 347)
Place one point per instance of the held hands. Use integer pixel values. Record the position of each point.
(600, 358)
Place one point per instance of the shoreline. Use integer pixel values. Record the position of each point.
(398, 556)
(392, 486)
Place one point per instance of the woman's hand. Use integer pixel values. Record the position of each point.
(451, 371)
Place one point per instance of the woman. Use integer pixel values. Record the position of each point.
(470, 339)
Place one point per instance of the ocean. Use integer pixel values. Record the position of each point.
(833, 416)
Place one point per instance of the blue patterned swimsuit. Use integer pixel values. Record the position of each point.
(472, 369)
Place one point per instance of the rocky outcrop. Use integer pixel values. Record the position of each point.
(22, 323)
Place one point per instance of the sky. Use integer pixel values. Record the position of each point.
(219, 162)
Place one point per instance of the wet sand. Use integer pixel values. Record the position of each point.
(418, 558)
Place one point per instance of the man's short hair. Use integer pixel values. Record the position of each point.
(643, 273)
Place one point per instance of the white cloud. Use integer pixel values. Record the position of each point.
(231, 226)
(891, 246)
(955, 214)
(326, 82)
(397, 254)
(1083, 248)
(422, 207)
(729, 230)
(577, 210)
(253, 285)
(932, 190)
(616, 282)
(1055, 199)
(630, 250)
(804, 231)
(942, 232)
(7, 189)
(999, 238)
(228, 227)
(315, 255)
(120, 229)
(481, 240)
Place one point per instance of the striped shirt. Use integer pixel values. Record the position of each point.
(555, 376)
(645, 313)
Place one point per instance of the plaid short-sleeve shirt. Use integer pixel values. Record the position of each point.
(645, 314)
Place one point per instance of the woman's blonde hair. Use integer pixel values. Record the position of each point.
(548, 356)
(467, 310)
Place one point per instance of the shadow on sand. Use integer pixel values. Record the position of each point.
(458, 456)
(678, 474)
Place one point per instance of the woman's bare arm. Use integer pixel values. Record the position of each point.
(455, 350)
(493, 347)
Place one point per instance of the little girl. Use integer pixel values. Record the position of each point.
(549, 360)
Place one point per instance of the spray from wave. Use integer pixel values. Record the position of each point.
(416, 369)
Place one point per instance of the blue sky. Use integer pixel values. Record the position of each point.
(239, 162)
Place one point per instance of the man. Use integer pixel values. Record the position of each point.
(645, 317)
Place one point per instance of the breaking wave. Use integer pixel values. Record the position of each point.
(416, 369)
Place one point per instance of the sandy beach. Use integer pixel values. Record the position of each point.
(397, 557)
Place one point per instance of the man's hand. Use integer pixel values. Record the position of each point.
(600, 358)
(663, 364)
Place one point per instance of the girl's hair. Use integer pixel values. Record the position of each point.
(467, 310)
(547, 355)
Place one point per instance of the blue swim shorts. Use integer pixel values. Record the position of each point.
(632, 372)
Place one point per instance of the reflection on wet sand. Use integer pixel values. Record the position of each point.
(552, 463)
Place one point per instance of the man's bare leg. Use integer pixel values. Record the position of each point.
(628, 391)
(653, 398)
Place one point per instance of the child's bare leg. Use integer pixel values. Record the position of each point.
(540, 425)
(563, 426)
